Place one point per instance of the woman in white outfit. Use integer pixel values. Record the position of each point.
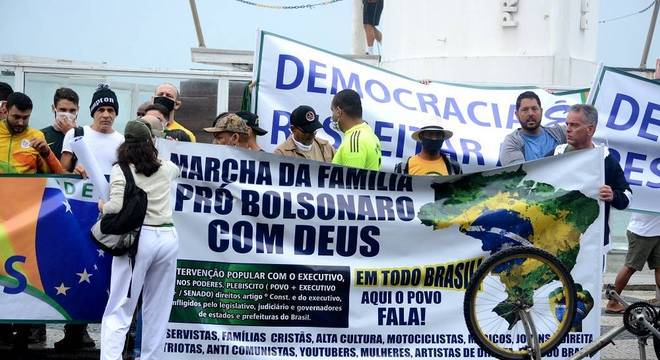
(155, 263)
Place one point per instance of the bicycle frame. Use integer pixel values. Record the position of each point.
(606, 338)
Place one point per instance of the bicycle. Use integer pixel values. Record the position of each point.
(511, 318)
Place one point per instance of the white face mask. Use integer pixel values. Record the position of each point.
(302, 147)
(63, 120)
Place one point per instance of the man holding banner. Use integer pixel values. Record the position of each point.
(581, 125)
(361, 147)
(532, 141)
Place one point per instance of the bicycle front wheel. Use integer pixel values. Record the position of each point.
(514, 280)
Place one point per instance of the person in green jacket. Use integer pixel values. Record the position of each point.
(360, 147)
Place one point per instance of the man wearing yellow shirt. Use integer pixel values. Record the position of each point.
(23, 150)
(360, 147)
(168, 95)
(430, 160)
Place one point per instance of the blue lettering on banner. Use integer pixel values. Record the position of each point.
(244, 237)
(378, 91)
(313, 75)
(649, 120)
(614, 113)
(21, 280)
(655, 168)
(281, 64)
(338, 77)
(629, 168)
(472, 116)
(557, 113)
(330, 240)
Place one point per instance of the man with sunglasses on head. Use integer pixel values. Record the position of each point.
(303, 142)
(430, 160)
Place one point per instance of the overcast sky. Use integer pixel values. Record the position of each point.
(160, 33)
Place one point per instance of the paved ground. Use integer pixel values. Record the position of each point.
(625, 346)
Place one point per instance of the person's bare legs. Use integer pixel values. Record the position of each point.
(370, 34)
(622, 278)
(378, 35)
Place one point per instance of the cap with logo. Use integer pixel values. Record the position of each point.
(305, 118)
(229, 123)
(252, 121)
(103, 96)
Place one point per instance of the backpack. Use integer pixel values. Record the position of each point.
(119, 233)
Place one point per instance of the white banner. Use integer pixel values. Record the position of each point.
(284, 258)
(290, 74)
(629, 123)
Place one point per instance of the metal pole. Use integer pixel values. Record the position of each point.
(649, 36)
(198, 27)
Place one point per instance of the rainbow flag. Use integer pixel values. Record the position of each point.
(49, 267)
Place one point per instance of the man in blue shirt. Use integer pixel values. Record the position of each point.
(532, 141)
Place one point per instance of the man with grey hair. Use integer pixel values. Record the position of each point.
(581, 125)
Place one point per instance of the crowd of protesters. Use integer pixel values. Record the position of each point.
(28, 151)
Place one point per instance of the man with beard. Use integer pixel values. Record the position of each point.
(23, 149)
(532, 141)
(430, 160)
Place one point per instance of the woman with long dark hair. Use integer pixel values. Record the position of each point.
(154, 271)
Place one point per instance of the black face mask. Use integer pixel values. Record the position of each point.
(431, 145)
(165, 101)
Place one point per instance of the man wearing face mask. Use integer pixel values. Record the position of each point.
(360, 147)
(230, 130)
(430, 160)
(65, 108)
(168, 95)
(303, 143)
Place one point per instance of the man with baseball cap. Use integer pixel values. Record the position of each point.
(230, 130)
(303, 143)
(252, 121)
(430, 160)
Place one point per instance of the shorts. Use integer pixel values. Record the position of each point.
(641, 249)
(371, 11)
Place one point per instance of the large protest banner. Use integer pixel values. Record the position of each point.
(290, 74)
(629, 123)
(284, 258)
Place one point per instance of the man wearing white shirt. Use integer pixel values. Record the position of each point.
(100, 137)
(103, 141)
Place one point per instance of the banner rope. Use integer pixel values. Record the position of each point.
(288, 7)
